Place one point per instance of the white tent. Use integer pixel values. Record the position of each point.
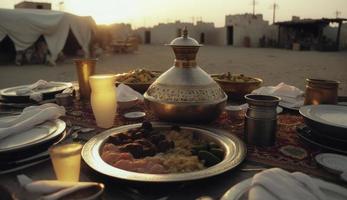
(25, 26)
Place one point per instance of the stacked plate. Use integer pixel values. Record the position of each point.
(30, 147)
(11, 96)
(326, 126)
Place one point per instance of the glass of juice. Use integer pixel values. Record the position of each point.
(66, 160)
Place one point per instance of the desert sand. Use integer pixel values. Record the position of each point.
(272, 65)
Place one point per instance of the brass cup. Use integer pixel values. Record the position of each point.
(321, 91)
(85, 67)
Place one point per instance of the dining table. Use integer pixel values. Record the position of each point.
(290, 152)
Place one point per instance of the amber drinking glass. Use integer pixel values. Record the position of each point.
(66, 160)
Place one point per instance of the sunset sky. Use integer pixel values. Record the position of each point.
(150, 12)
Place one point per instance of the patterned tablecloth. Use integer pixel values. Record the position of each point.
(289, 152)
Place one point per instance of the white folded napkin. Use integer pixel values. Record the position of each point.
(290, 95)
(32, 90)
(40, 84)
(278, 184)
(52, 189)
(29, 118)
(125, 92)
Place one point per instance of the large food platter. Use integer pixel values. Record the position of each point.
(234, 148)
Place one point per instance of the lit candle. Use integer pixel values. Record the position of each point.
(103, 99)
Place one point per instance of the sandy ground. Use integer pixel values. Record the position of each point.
(272, 65)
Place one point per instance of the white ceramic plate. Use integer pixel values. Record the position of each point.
(240, 190)
(40, 133)
(333, 162)
(134, 115)
(56, 86)
(298, 108)
(333, 115)
(288, 107)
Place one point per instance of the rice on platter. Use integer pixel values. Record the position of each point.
(160, 151)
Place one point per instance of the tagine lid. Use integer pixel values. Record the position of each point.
(185, 40)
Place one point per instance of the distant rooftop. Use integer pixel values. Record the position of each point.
(325, 21)
(33, 5)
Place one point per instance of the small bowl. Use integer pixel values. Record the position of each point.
(127, 103)
(237, 90)
(236, 111)
(134, 115)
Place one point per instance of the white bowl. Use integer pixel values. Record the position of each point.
(126, 103)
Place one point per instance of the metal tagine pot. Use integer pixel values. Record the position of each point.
(185, 92)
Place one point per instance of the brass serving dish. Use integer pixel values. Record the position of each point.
(236, 90)
(137, 84)
(234, 148)
(185, 92)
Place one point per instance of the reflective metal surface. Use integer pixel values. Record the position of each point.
(234, 148)
(85, 68)
(185, 92)
(185, 40)
(261, 119)
(186, 112)
(321, 91)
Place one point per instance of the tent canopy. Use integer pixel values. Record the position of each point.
(25, 26)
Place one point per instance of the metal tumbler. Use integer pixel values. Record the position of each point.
(261, 119)
(85, 67)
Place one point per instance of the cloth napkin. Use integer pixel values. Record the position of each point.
(52, 189)
(32, 90)
(125, 92)
(278, 184)
(29, 118)
(290, 95)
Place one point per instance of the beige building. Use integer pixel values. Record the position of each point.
(120, 32)
(164, 33)
(33, 5)
(247, 30)
(239, 30)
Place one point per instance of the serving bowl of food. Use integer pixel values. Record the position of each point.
(236, 86)
(138, 79)
(163, 152)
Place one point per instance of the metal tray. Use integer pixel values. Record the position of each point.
(235, 153)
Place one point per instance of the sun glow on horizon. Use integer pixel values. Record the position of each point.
(105, 11)
(148, 13)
